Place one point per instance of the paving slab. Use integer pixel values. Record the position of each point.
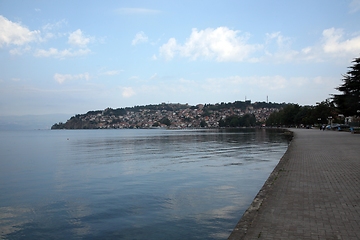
(313, 193)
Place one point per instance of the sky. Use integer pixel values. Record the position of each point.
(71, 57)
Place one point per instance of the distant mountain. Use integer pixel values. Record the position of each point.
(31, 122)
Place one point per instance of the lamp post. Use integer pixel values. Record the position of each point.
(330, 121)
(341, 116)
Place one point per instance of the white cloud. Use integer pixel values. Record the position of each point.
(77, 39)
(61, 78)
(14, 34)
(48, 36)
(127, 92)
(169, 49)
(299, 81)
(306, 50)
(278, 48)
(111, 72)
(53, 26)
(137, 11)
(53, 52)
(319, 80)
(273, 35)
(140, 37)
(20, 50)
(221, 44)
(282, 42)
(270, 82)
(354, 6)
(334, 42)
(283, 56)
(154, 76)
(104, 71)
(134, 78)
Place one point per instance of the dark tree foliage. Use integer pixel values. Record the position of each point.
(348, 103)
(290, 115)
(59, 125)
(323, 111)
(248, 120)
(116, 112)
(165, 121)
(156, 124)
(91, 113)
(203, 123)
(269, 105)
(295, 115)
(163, 106)
(241, 105)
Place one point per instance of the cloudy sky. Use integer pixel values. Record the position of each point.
(71, 56)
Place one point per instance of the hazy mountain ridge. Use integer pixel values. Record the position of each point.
(31, 122)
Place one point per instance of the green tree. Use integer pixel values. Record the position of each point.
(304, 116)
(165, 121)
(275, 119)
(232, 121)
(247, 120)
(203, 123)
(289, 114)
(222, 123)
(323, 111)
(348, 103)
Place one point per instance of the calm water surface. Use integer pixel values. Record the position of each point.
(131, 184)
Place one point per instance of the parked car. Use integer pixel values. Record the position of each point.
(342, 127)
(339, 127)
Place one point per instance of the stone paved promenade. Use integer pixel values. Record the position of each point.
(313, 193)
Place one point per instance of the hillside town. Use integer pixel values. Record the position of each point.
(169, 115)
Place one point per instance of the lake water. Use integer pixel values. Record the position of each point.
(131, 184)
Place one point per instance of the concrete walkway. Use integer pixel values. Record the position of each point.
(313, 193)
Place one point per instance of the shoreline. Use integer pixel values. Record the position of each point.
(251, 212)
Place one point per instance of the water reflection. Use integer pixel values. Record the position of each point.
(136, 184)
